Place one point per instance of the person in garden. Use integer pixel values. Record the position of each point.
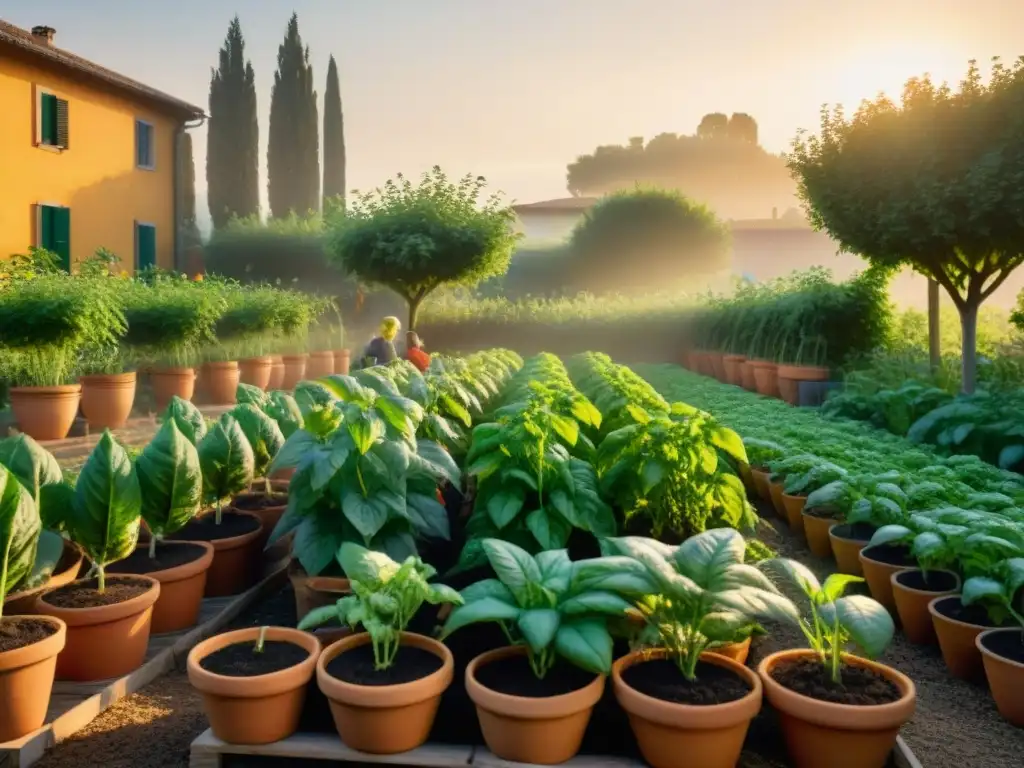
(414, 351)
(381, 349)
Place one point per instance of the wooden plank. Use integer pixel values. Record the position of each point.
(75, 705)
(903, 757)
(207, 749)
(482, 758)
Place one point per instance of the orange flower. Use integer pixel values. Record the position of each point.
(198, 278)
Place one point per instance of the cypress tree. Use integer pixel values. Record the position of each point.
(232, 148)
(293, 149)
(190, 227)
(334, 137)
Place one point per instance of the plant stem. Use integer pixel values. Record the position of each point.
(217, 514)
(101, 579)
(152, 546)
(837, 649)
(268, 488)
(261, 640)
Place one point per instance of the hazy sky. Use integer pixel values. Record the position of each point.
(515, 90)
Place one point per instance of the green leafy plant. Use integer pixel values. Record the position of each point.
(264, 438)
(385, 596)
(283, 409)
(188, 418)
(170, 481)
(38, 471)
(19, 534)
(997, 591)
(227, 462)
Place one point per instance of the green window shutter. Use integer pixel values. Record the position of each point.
(46, 227)
(62, 124)
(145, 247)
(62, 236)
(48, 119)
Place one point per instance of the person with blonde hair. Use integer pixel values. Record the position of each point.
(381, 349)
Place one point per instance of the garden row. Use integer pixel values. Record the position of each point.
(940, 541)
(77, 339)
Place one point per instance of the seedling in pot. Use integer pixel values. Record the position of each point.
(265, 439)
(260, 640)
(170, 482)
(19, 534)
(227, 462)
(996, 591)
(385, 596)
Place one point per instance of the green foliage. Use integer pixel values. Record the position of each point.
(227, 462)
(187, 417)
(170, 480)
(30, 463)
(334, 139)
(264, 436)
(19, 533)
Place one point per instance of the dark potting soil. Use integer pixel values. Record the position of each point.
(254, 502)
(205, 528)
(952, 608)
(859, 687)
(17, 633)
(356, 666)
(855, 531)
(513, 675)
(84, 594)
(242, 660)
(890, 554)
(931, 581)
(823, 512)
(1009, 645)
(168, 555)
(661, 679)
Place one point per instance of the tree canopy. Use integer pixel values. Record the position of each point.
(415, 238)
(935, 183)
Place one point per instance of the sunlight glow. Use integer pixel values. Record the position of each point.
(885, 66)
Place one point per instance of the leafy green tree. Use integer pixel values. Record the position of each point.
(293, 148)
(334, 137)
(232, 145)
(935, 183)
(645, 238)
(415, 238)
(189, 224)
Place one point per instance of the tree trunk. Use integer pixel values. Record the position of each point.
(969, 328)
(414, 310)
(934, 331)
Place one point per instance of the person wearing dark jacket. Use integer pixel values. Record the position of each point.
(381, 349)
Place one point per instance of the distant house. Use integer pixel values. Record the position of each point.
(551, 219)
(89, 158)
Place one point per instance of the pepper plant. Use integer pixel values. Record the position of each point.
(170, 481)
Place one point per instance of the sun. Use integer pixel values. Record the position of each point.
(885, 67)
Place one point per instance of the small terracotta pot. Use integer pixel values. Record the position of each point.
(816, 530)
(543, 731)
(107, 400)
(294, 371)
(269, 517)
(957, 642)
(254, 710)
(790, 376)
(26, 679)
(672, 735)
(912, 607)
(276, 373)
(181, 590)
(837, 735)
(106, 641)
(256, 371)
(878, 575)
(342, 361)
(734, 369)
(794, 508)
(169, 383)
(775, 493)
(46, 413)
(1005, 676)
(236, 562)
(847, 552)
(24, 603)
(738, 652)
(761, 483)
(220, 382)
(766, 378)
(747, 378)
(314, 591)
(319, 364)
(746, 476)
(385, 719)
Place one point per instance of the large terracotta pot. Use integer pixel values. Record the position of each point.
(342, 361)
(314, 591)
(878, 574)
(794, 509)
(790, 376)
(957, 641)
(733, 365)
(294, 371)
(107, 400)
(319, 364)
(260, 709)
(276, 373)
(236, 559)
(816, 530)
(761, 483)
(543, 731)
(1005, 675)
(385, 719)
(775, 493)
(672, 735)
(169, 383)
(821, 733)
(105, 641)
(846, 551)
(70, 563)
(717, 361)
(738, 652)
(747, 378)
(220, 382)
(912, 601)
(46, 413)
(26, 679)
(256, 371)
(765, 377)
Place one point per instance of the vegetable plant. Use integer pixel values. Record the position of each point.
(170, 481)
(38, 471)
(19, 533)
(187, 417)
(264, 436)
(997, 591)
(227, 462)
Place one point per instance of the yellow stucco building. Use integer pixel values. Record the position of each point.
(88, 158)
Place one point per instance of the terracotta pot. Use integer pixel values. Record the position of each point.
(878, 575)
(256, 371)
(747, 378)
(761, 483)
(672, 735)
(746, 476)
(106, 641)
(912, 606)
(181, 590)
(816, 530)
(220, 382)
(331, 634)
(276, 373)
(269, 517)
(847, 552)
(314, 591)
(46, 413)
(319, 364)
(734, 369)
(172, 382)
(260, 709)
(775, 493)
(294, 370)
(957, 642)
(107, 400)
(26, 679)
(1005, 676)
(717, 360)
(385, 719)
(766, 378)
(236, 562)
(794, 509)
(543, 731)
(70, 563)
(738, 652)
(342, 361)
(790, 376)
(838, 735)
